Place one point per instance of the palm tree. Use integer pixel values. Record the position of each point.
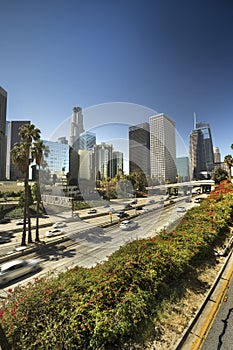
(28, 134)
(38, 152)
(229, 162)
(19, 157)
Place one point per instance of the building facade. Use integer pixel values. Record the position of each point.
(118, 163)
(162, 149)
(87, 140)
(3, 109)
(58, 158)
(182, 165)
(139, 148)
(201, 152)
(102, 161)
(12, 171)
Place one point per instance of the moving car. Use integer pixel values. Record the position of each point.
(17, 268)
(20, 222)
(5, 221)
(59, 224)
(128, 225)
(181, 209)
(198, 200)
(4, 239)
(54, 232)
(92, 211)
(128, 206)
(122, 214)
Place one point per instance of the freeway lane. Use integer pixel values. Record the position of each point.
(94, 245)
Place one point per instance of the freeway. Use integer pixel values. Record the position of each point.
(89, 245)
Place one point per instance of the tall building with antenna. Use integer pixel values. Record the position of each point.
(201, 151)
(76, 127)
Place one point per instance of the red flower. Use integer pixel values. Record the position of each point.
(13, 311)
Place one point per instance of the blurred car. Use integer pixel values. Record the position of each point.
(110, 210)
(59, 224)
(92, 211)
(53, 233)
(188, 200)
(5, 221)
(4, 239)
(151, 201)
(144, 210)
(198, 200)
(128, 225)
(106, 206)
(122, 214)
(139, 207)
(20, 222)
(181, 209)
(128, 206)
(17, 268)
(134, 201)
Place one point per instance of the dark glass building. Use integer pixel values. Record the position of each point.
(201, 152)
(139, 148)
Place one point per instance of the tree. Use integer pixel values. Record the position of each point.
(219, 175)
(21, 153)
(38, 152)
(19, 157)
(229, 162)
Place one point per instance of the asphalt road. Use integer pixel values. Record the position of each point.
(220, 336)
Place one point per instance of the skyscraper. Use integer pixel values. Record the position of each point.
(162, 148)
(217, 155)
(117, 163)
(139, 148)
(201, 151)
(12, 171)
(76, 127)
(3, 107)
(102, 161)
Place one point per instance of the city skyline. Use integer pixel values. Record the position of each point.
(173, 58)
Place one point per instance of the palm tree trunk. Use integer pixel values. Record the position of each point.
(37, 207)
(23, 241)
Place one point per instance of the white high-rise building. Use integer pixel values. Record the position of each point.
(162, 148)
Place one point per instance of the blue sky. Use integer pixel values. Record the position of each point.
(174, 57)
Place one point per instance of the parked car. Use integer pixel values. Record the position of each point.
(92, 211)
(128, 225)
(181, 209)
(59, 224)
(55, 232)
(17, 268)
(122, 214)
(4, 239)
